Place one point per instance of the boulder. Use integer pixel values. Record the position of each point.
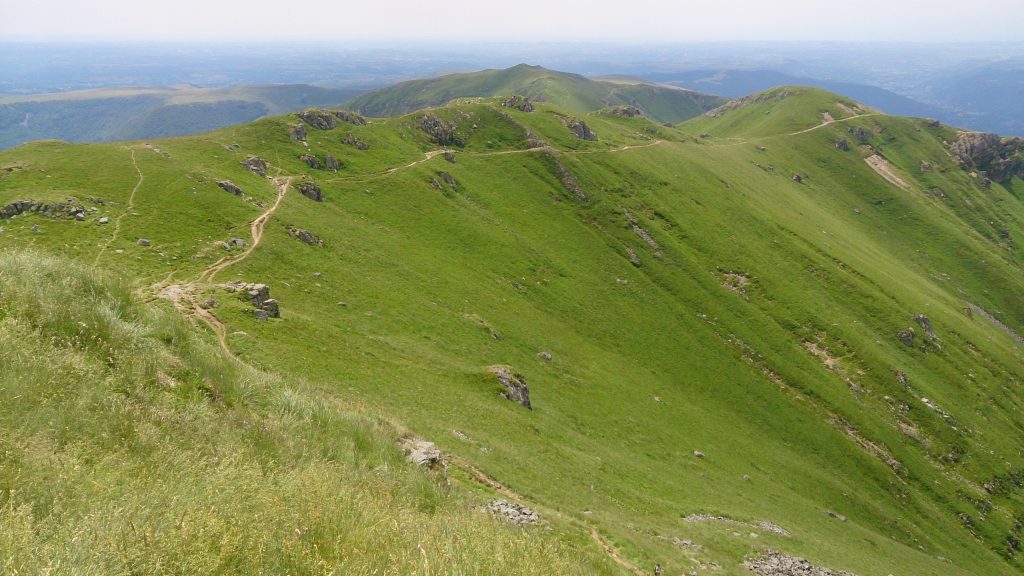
(420, 452)
(103, 220)
(349, 117)
(331, 163)
(449, 156)
(255, 165)
(926, 324)
(513, 385)
(261, 315)
(297, 132)
(311, 161)
(312, 191)
(861, 134)
(305, 235)
(321, 119)
(236, 243)
(906, 337)
(546, 356)
(143, 242)
(444, 180)
(512, 512)
(229, 186)
(842, 144)
(798, 178)
(579, 128)
(271, 307)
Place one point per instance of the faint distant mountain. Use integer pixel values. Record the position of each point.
(133, 113)
(987, 98)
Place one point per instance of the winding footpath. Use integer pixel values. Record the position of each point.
(127, 210)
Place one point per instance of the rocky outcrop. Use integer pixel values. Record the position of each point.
(297, 132)
(862, 135)
(229, 186)
(567, 178)
(258, 295)
(512, 512)
(312, 191)
(420, 452)
(513, 385)
(441, 133)
(320, 119)
(69, 209)
(764, 97)
(635, 224)
(449, 156)
(843, 145)
(444, 181)
(625, 111)
(305, 235)
(520, 103)
(579, 128)
(311, 161)
(352, 140)
(926, 325)
(906, 337)
(997, 159)
(349, 117)
(256, 165)
(778, 564)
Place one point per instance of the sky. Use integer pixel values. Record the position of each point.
(634, 21)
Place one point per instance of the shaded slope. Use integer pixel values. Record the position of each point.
(693, 297)
(570, 91)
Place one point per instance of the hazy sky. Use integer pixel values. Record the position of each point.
(502, 20)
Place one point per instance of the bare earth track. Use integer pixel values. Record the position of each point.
(128, 209)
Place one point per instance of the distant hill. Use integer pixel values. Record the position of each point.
(124, 114)
(570, 91)
(736, 83)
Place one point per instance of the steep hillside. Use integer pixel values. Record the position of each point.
(105, 115)
(570, 91)
(792, 325)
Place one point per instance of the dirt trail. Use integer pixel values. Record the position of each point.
(256, 229)
(428, 156)
(830, 122)
(613, 554)
(128, 209)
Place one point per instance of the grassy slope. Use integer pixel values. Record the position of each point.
(569, 91)
(649, 363)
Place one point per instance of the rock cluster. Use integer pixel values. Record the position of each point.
(305, 235)
(229, 186)
(998, 159)
(352, 140)
(349, 117)
(513, 386)
(567, 178)
(312, 191)
(258, 295)
(514, 513)
(579, 128)
(420, 452)
(256, 165)
(778, 564)
(69, 209)
(321, 119)
(520, 103)
(440, 132)
(625, 111)
(444, 181)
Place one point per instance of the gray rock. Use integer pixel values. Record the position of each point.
(842, 144)
(420, 452)
(331, 163)
(143, 242)
(906, 337)
(321, 119)
(229, 186)
(236, 243)
(261, 315)
(512, 512)
(36, 228)
(312, 191)
(625, 111)
(271, 307)
(349, 117)
(546, 356)
(579, 128)
(440, 132)
(926, 324)
(297, 132)
(103, 220)
(778, 564)
(861, 134)
(255, 165)
(520, 103)
(306, 236)
(311, 161)
(698, 454)
(798, 178)
(997, 159)
(209, 304)
(257, 294)
(352, 140)
(513, 385)
(449, 156)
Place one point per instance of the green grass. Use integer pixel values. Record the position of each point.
(649, 362)
(569, 91)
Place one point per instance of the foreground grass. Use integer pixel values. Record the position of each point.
(129, 446)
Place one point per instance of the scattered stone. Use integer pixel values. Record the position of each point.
(761, 149)
(235, 243)
(331, 163)
(633, 258)
(306, 236)
(297, 132)
(836, 516)
(926, 324)
(311, 161)
(512, 512)
(513, 385)
(36, 228)
(579, 128)
(255, 165)
(901, 377)
(567, 177)
(69, 209)
(798, 178)
(698, 454)
(520, 103)
(349, 117)
(544, 356)
(103, 220)
(312, 191)
(461, 435)
(778, 564)
(351, 140)
(441, 133)
(906, 337)
(420, 452)
(229, 186)
(926, 166)
(642, 233)
(625, 111)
